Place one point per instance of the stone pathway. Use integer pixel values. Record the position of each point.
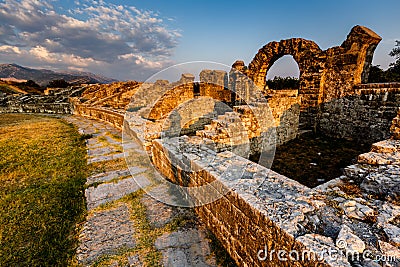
(125, 226)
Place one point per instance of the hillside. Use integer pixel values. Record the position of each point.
(14, 87)
(43, 76)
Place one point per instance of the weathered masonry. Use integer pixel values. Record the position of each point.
(201, 133)
(261, 211)
(323, 74)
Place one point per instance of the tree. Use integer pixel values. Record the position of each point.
(279, 83)
(395, 53)
(58, 84)
(377, 75)
(392, 74)
(31, 83)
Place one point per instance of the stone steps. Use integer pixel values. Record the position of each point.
(221, 129)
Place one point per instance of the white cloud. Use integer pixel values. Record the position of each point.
(10, 49)
(94, 35)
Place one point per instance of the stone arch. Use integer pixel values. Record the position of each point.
(302, 51)
(285, 63)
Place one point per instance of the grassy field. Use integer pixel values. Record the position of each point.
(42, 176)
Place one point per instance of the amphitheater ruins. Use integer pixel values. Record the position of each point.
(199, 136)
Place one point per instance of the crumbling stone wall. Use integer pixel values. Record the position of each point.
(324, 75)
(193, 115)
(254, 128)
(115, 118)
(395, 127)
(55, 103)
(365, 116)
(50, 108)
(261, 211)
(278, 113)
(172, 98)
(251, 217)
(116, 95)
(267, 211)
(278, 213)
(214, 83)
(305, 53)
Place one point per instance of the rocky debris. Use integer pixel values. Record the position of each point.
(374, 158)
(117, 94)
(383, 181)
(395, 128)
(389, 250)
(356, 210)
(386, 146)
(349, 242)
(327, 211)
(387, 213)
(321, 246)
(56, 103)
(393, 233)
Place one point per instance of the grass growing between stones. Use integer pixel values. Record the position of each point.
(110, 165)
(145, 235)
(42, 176)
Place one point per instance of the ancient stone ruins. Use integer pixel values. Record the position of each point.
(199, 136)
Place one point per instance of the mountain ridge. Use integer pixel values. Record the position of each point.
(44, 76)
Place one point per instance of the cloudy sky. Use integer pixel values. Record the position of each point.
(135, 39)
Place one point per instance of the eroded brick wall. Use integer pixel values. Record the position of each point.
(113, 117)
(365, 116)
(50, 108)
(324, 74)
(244, 221)
(395, 128)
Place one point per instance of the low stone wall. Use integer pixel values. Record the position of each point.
(113, 117)
(262, 212)
(171, 100)
(51, 108)
(259, 214)
(366, 116)
(214, 83)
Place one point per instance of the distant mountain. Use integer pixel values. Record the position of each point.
(43, 76)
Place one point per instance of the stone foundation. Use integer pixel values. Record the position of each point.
(364, 117)
(395, 128)
(116, 118)
(261, 210)
(50, 108)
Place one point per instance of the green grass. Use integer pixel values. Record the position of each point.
(42, 176)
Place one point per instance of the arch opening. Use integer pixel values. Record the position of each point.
(284, 73)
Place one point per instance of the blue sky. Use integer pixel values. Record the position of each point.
(135, 39)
